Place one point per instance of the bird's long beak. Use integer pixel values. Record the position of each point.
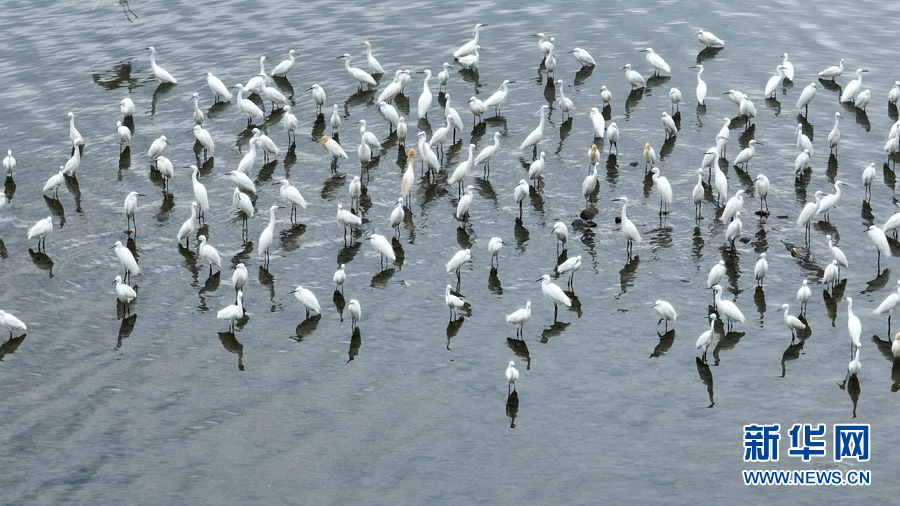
(539, 279)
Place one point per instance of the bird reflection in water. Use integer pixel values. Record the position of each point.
(831, 299)
(521, 234)
(795, 349)
(519, 347)
(453, 327)
(494, 282)
(339, 303)
(851, 386)
(627, 274)
(355, 343)
(230, 343)
(665, 342)
(211, 285)
(306, 327)
(41, 260)
(267, 280)
(726, 342)
(125, 329)
(10, 346)
(381, 279)
(512, 408)
(706, 378)
(759, 298)
(554, 330)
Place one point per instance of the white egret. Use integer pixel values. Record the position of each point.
(346, 220)
(307, 299)
(697, 194)
(443, 77)
(665, 311)
(465, 202)
(761, 269)
(734, 229)
(561, 231)
(188, 227)
(633, 77)
(162, 75)
(876, 235)
(801, 163)
(200, 195)
(166, 170)
(462, 170)
(605, 96)
(803, 295)
(570, 266)
(494, 247)
(272, 94)
(265, 238)
(205, 139)
(512, 374)
(675, 98)
(831, 200)
(746, 154)
(868, 176)
(734, 204)
(835, 253)
(722, 137)
(243, 182)
(701, 86)
(888, 305)
(374, 66)
(469, 47)
(390, 114)
(74, 161)
(709, 39)
(247, 106)
(290, 123)
(208, 254)
(588, 186)
(424, 102)
(339, 278)
(318, 96)
(335, 119)
(126, 107)
(430, 160)
(124, 293)
(791, 322)
(470, 61)
(565, 103)
(453, 302)
(232, 312)
(126, 258)
(854, 327)
(198, 114)
(806, 97)
(255, 83)
(519, 318)
(612, 135)
(656, 61)
(668, 125)
(598, 122)
(536, 169)
(355, 191)
(409, 176)
(583, 57)
(545, 45)
(452, 115)
(11, 322)
(747, 109)
(217, 87)
(40, 231)
(831, 274)
(663, 188)
(706, 337)
(892, 223)
(484, 157)
(157, 147)
(833, 71)
(74, 134)
(397, 216)
(727, 309)
(628, 229)
(774, 82)
(477, 107)
(358, 74)
(716, 274)
(853, 87)
(291, 195)
(239, 277)
(554, 293)
(854, 366)
(720, 182)
(862, 99)
(241, 201)
(282, 69)
(355, 312)
(130, 206)
(894, 94)
(550, 61)
(788, 67)
(384, 249)
(9, 161)
(123, 132)
(401, 132)
(520, 192)
(55, 181)
(455, 263)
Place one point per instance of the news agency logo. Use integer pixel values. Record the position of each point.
(850, 442)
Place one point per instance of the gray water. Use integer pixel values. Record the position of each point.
(165, 406)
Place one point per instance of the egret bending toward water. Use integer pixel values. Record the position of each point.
(570, 266)
(791, 322)
(628, 229)
(457, 261)
(519, 318)
(706, 337)
(807, 96)
(890, 303)
(208, 254)
(833, 71)
(727, 309)
(469, 47)
(803, 295)
(40, 231)
(656, 61)
(307, 299)
(665, 311)
(453, 302)
(633, 77)
(876, 235)
(383, 247)
(709, 39)
(512, 374)
(162, 75)
(801, 163)
(554, 293)
(664, 189)
(853, 87)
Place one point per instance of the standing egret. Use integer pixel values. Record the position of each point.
(443, 77)
(478, 109)
(734, 229)
(157, 147)
(40, 231)
(583, 57)
(355, 191)
(656, 61)
(715, 274)
(628, 229)
(836, 253)
(123, 132)
(124, 293)
(205, 140)
(650, 158)
(876, 235)
(722, 137)
(853, 87)
(831, 200)
(266, 144)
(127, 260)
(570, 266)
(335, 119)
(346, 220)
(452, 115)
(255, 83)
(746, 154)
(598, 122)
(307, 299)
(355, 312)
(391, 90)
(384, 249)
(200, 195)
(588, 186)
(247, 106)
(536, 169)
(668, 125)
(162, 75)
(74, 161)
(390, 114)
(791, 322)
(243, 182)
(401, 131)
(605, 96)
(454, 303)
(358, 74)
(166, 170)
(554, 293)
(241, 201)
(664, 189)
(892, 223)
(774, 82)
(470, 61)
(424, 102)
(198, 114)
(273, 94)
(282, 69)
(833, 71)
(633, 77)
(834, 136)
(545, 45)
(512, 374)
(565, 103)
(593, 156)
(727, 309)
(55, 181)
(462, 170)
(334, 149)
(397, 215)
(494, 247)
(455, 263)
(130, 207)
(854, 327)
(697, 194)
(430, 162)
(290, 123)
(437, 137)
(803, 295)
(831, 274)
(232, 312)
(761, 269)
(126, 107)
(709, 39)
(519, 318)
(339, 278)
(465, 202)
(801, 163)
(675, 98)
(807, 96)
(550, 60)
(612, 135)
(706, 337)
(701, 86)
(484, 157)
(888, 305)
(734, 204)
(374, 66)
(9, 161)
(520, 192)
(862, 99)
(665, 311)
(409, 177)
(188, 227)
(208, 254)
(265, 238)
(868, 176)
(318, 95)
(469, 47)
(747, 110)
(894, 94)
(788, 67)
(761, 184)
(74, 134)
(217, 87)
(561, 231)
(720, 182)
(854, 366)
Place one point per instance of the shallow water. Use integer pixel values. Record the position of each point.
(163, 406)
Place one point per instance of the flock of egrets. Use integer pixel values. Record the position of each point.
(427, 156)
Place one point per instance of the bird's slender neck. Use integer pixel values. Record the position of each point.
(624, 206)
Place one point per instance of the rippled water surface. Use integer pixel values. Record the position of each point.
(164, 406)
